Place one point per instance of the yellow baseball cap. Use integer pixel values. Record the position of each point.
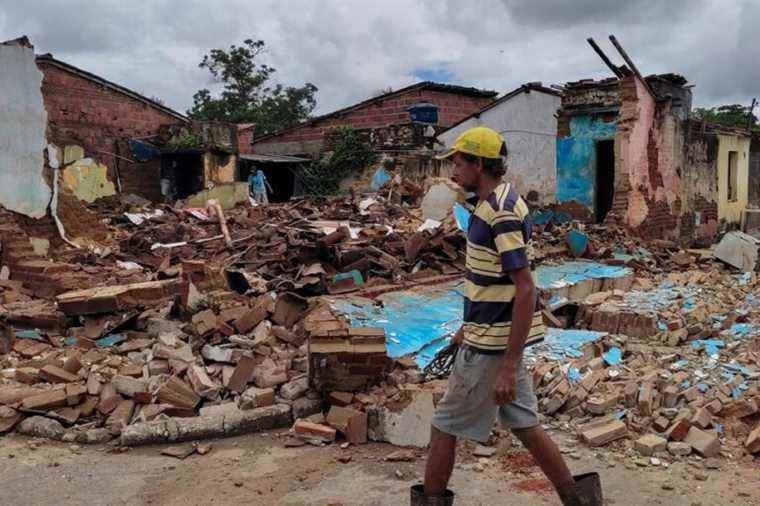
(478, 141)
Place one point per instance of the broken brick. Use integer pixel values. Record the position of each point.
(314, 432)
(650, 444)
(350, 422)
(704, 443)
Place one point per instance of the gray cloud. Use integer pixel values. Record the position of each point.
(561, 13)
(352, 49)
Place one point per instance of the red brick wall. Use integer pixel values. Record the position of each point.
(102, 120)
(451, 108)
(244, 140)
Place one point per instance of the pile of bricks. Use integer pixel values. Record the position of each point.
(344, 357)
(674, 399)
(124, 366)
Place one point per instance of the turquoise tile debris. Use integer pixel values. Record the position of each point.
(569, 273)
(354, 275)
(613, 356)
(30, 334)
(421, 322)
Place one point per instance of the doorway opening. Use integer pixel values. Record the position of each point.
(605, 179)
(185, 171)
(280, 176)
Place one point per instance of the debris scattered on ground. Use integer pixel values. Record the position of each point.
(188, 324)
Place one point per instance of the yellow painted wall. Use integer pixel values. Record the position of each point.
(88, 180)
(227, 194)
(216, 170)
(732, 211)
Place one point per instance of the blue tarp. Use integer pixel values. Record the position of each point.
(143, 150)
(380, 178)
(578, 242)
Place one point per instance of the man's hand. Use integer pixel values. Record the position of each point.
(505, 389)
(458, 337)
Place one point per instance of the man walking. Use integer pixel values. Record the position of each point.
(500, 319)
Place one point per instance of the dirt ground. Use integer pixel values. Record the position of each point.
(259, 469)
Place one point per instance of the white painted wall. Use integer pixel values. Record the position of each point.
(527, 123)
(22, 133)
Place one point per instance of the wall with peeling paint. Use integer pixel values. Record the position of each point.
(528, 123)
(228, 195)
(219, 167)
(23, 120)
(666, 167)
(754, 172)
(101, 118)
(699, 216)
(648, 182)
(88, 180)
(576, 158)
(731, 210)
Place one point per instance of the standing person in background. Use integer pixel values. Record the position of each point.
(258, 185)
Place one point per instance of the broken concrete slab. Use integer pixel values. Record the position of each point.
(174, 430)
(295, 388)
(404, 423)
(738, 250)
(39, 426)
(117, 298)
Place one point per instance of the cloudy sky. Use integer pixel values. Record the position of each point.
(350, 49)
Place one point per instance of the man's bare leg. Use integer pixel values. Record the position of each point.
(440, 462)
(547, 455)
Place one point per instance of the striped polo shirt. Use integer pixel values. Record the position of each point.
(497, 241)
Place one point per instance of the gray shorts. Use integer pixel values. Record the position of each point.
(468, 409)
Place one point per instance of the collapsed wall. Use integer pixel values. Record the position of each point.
(23, 120)
(664, 170)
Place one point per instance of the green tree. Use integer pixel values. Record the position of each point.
(249, 94)
(733, 115)
(349, 155)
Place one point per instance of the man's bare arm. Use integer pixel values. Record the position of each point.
(524, 306)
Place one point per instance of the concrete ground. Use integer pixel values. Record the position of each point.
(259, 469)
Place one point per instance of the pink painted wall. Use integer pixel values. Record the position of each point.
(634, 149)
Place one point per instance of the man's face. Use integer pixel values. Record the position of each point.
(466, 174)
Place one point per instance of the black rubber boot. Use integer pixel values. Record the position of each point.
(418, 497)
(586, 491)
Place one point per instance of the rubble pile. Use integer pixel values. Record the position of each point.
(189, 323)
(121, 369)
(678, 369)
(304, 246)
(187, 312)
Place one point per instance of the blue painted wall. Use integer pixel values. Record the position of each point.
(576, 158)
